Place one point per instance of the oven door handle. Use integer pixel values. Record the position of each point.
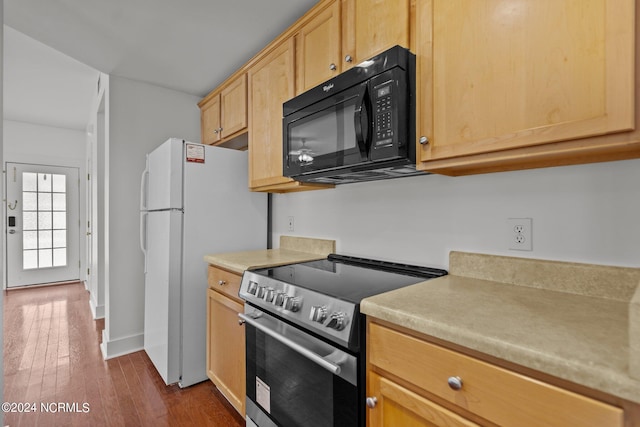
(331, 367)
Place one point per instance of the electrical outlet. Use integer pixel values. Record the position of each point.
(290, 223)
(520, 234)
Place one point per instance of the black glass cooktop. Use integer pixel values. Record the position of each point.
(350, 278)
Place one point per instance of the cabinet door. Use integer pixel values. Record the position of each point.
(397, 406)
(318, 49)
(210, 121)
(501, 75)
(226, 348)
(233, 107)
(373, 26)
(271, 83)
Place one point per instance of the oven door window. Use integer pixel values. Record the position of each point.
(294, 390)
(324, 136)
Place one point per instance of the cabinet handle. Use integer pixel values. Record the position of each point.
(424, 140)
(222, 282)
(333, 67)
(348, 58)
(241, 322)
(455, 383)
(371, 402)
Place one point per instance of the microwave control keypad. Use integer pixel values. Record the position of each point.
(384, 133)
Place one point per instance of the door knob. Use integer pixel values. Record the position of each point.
(12, 231)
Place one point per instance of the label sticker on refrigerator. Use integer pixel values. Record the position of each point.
(263, 395)
(195, 153)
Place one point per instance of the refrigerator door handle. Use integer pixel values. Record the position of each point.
(143, 237)
(143, 186)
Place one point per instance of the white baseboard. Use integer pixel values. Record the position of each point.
(122, 346)
(97, 311)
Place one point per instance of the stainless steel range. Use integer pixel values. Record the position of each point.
(305, 338)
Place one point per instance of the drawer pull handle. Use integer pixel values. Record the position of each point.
(455, 383)
(371, 402)
(222, 282)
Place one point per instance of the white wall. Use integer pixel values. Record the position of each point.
(34, 143)
(585, 213)
(141, 117)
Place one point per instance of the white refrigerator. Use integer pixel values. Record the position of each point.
(194, 201)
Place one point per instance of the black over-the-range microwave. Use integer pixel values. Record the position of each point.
(358, 126)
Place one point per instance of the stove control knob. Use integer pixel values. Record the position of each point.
(279, 299)
(292, 303)
(318, 313)
(338, 321)
(252, 288)
(260, 291)
(269, 294)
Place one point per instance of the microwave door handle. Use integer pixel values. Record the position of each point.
(362, 132)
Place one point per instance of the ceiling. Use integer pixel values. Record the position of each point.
(187, 45)
(43, 86)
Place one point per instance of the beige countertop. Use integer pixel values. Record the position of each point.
(292, 249)
(572, 321)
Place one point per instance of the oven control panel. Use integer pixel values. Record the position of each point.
(329, 317)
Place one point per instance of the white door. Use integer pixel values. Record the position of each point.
(43, 228)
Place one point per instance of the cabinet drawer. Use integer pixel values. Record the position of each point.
(496, 394)
(224, 281)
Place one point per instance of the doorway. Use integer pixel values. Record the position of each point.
(43, 227)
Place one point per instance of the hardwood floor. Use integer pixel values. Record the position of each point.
(52, 357)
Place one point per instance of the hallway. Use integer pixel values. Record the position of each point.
(52, 356)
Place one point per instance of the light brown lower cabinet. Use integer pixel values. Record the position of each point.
(225, 337)
(408, 385)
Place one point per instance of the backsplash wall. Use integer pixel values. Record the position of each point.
(585, 213)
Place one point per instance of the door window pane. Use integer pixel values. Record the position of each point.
(30, 240)
(29, 201)
(29, 259)
(29, 181)
(44, 201)
(59, 202)
(30, 220)
(59, 220)
(59, 257)
(44, 216)
(59, 183)
(44, 220)
(44, 182)
(60, 239)
(45, 258)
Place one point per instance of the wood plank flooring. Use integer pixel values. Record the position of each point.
(52, 356)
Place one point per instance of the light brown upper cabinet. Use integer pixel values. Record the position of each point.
(318, 48)
(372, 26)
(210, 119)
(271, 83)
(223, 113)
(506, 85)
